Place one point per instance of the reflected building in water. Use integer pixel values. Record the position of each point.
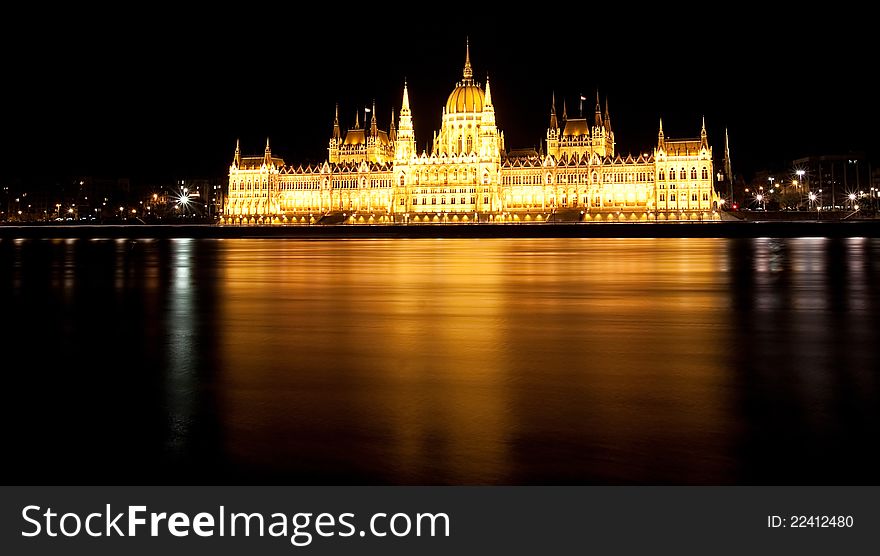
(375, 175)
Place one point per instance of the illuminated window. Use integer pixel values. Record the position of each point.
(705, 196)
(403, 201)
(473, 200)
(682, 175)
(402, 180)
(452, 201)
(486, 200)
(662, 196)
(693, 196)
(671, 186)
(705, 173)
(433, 200)
(462, 200)
(662, 175)
(424, 200)
(470, 144)
(672, 196)
(693, 173)
(443, 200)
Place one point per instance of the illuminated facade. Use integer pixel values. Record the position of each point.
(378, 176)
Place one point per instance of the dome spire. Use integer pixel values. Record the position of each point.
(468, 71)
(236, 159)
(405, 105)
(488, 101)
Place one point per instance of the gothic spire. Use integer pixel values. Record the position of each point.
(392, 130)
(553, 123)
(468, 71)
(488, 101)
(405, 106)
(374, 130)
(607, 116)
(598, 110)
(336, 133)
(704, 141)
(236, 159)
(661, 141)
(268, 154)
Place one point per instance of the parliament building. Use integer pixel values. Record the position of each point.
(377, 176)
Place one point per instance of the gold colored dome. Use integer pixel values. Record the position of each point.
(466, 97)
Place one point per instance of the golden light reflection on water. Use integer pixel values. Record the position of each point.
(476, 361)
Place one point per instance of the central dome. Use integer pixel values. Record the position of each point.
(466, 97)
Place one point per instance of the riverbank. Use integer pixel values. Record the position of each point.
(860, 228)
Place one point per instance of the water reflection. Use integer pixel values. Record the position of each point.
(445, 361)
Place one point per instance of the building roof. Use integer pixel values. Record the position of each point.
(683, 147)
(466, 97)
(576, 126)
(254, 162)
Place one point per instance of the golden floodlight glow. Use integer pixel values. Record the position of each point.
(467, 169)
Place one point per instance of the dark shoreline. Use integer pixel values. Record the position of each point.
(858, 228)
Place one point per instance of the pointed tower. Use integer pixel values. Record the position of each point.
(468, 70)
(728, 169)
(661, 140)
(335, 139)
(236, 158)
(405, 145)
(489, 141)
(564, 112)
(357, 120)
(267, 155)
(598, 121)
(374, 130)
(609, 134)
(553, 130)
(607, 117)
(392, 130)
(704, 140)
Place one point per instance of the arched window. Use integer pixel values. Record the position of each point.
(459, 143)
(402, 180)
(705, 173)
(443, 200)
(693, 196)
(470, 144)
(433, 200)
(662, 175)
(485, 177)
(672, 196)
(682, 175)
(693, 173)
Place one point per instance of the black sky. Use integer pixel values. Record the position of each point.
(161, 95)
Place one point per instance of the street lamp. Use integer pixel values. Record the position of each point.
(852, 200)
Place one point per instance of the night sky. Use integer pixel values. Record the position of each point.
(164, 95)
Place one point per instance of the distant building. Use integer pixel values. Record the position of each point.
(834, 177)
(373, 175)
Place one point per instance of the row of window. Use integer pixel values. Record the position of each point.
(684, 197)
(462, 200)
(682, 174)
(444, 190)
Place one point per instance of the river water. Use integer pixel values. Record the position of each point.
(442, 361)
